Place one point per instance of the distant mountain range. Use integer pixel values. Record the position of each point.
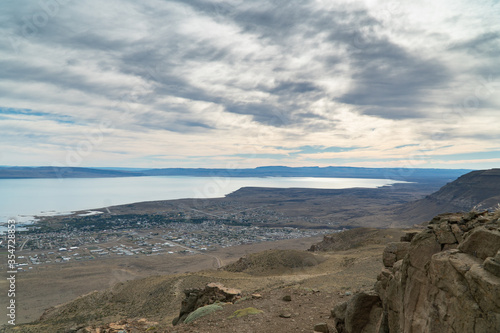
(63, 172)
(406, 174)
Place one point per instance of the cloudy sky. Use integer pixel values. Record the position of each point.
(249, 83)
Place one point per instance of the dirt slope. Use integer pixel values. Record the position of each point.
(475, 189)
(157, 299)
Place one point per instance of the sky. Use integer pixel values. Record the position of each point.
(237, 84)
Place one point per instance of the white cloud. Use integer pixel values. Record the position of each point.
(200, 84)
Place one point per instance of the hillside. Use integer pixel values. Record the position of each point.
(337, 266)
(315, 282)
(445, 278)
(274, 262)
(479, 189)
(448, 273)
(355, 238)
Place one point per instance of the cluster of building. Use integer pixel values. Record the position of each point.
(35, 248)
(209, 235)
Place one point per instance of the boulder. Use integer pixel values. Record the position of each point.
(394, 252)
(197, 298)
(492, 266)
(423, 246)
(408, 236)
(485, 290)
(481, 242)
(338, 311)
(448, 281)
(202, 312)
(285, 314)
(223, 293)
(321, 327)
(444, 234)
(441, 289)
(457, 232)
(361, 313)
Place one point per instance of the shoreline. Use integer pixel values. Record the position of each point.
(212, 188)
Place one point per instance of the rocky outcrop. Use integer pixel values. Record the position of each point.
(446, 280)
(362, 313)
(197, 298)
(394, 252)
(321, 328)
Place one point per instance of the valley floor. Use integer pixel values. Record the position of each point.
(314, 290)
(51, 284)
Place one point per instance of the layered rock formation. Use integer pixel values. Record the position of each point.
(197, 298)
(446, 280)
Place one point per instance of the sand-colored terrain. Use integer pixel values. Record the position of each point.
(52, 284)
(336, 275)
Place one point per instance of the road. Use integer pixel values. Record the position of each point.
(217, 260)
(24, 243)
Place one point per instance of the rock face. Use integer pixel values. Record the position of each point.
(197, 298)
(394, 252)
(446, 280)
(321, 328)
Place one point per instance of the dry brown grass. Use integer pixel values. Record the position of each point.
(158, 298)
(49, 285)
(274, 262)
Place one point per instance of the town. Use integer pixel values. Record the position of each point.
(136, 236)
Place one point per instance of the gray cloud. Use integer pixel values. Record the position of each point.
(274, 61)
(294, 87)
(388, 77)
(483, 44)
(385, 75)
(264, 113)
(56, 76)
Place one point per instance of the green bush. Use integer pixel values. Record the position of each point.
(245, 312)
(202, 312)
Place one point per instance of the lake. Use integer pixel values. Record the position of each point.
(23, 198)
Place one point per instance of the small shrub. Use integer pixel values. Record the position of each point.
(242, 299)
(202, 312)
(496, 213)
(245, 312)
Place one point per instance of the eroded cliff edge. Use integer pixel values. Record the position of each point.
(443, 279)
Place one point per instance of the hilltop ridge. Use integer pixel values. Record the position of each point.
(408, 174)
(480, 189)
(443, 279)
